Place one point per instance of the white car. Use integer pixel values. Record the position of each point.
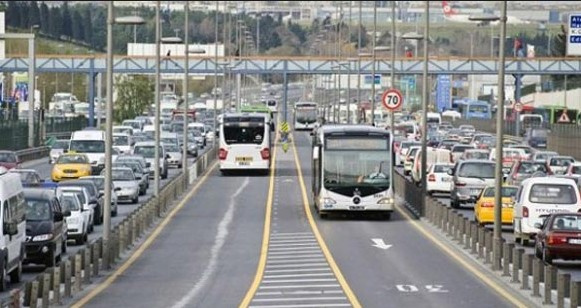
(57, 149)
(539, 197)
(124, 178)
(439, 181)
(467, 128)
(79, 221)
(83, 196)
(175, 155)
(122, 142)
(403, 149)
(559, 164)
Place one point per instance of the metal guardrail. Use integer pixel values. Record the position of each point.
(33, 153)
(412, 195)
(53, 285)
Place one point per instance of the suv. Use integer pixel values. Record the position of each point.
(46, 228)
(147, 150)
(469, 177)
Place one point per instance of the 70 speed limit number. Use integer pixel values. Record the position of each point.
(392, 99)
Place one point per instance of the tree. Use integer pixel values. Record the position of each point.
(298, 31)
(13, 14)
(44, 16)
(55, 22)
(24, 15)
(134, 96)
(34, 14)
(78, 32)
(67, 22)
(88, 25)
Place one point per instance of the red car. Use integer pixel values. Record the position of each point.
(559, 238)
(9, 160)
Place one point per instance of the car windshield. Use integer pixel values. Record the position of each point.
(99, 182)
(539, 133)
(123, 175)
(561, 162)
(88, 146)
(476, 155)
(567, 222)
(37, 209)
(171, 148)
(120, 140)
(553, 194)
(576, 170)
(442, 168)
(69, 203)
(506, 192)
(72, 159)
(477, 170)
(530, 168)
(7, 157)
(147, 151)
(135, 167)
(60, 145)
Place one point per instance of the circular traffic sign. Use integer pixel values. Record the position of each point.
(392, 99)
(518, 107)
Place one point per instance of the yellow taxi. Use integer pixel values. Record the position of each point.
(484, 208)
(71, 166)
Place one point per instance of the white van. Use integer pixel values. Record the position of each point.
(539, 197)
(434, 156)
(433, 118)
(92, 143)
(13, 231)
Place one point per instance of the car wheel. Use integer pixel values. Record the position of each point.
(16, 274)
(135, 200)
(454, 204)
(180, 166)
(64, 246)
(50, 260)
(3, 282)
(547, 258)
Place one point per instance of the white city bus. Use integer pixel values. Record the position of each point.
(305, 114)
(351, 170)
(244, 142)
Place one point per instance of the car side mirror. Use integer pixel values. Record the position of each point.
(538, 225)
(58, 216)
(148, 165)
(10, 228)
(67, 213)
(117, 189)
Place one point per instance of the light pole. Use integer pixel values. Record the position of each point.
(373, 39)
(392, 78)
(157, 98)
(216, 74)
(359, 66)
(497, 233)
(425, 99)
(129, 20)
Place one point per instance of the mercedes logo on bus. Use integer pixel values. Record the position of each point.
(356, 200)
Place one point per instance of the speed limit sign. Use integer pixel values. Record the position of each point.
(392, 99)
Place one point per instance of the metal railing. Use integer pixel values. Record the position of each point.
(15, 132)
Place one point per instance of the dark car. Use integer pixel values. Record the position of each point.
(522, 170)
(537, 137)
(9, 160)
(46, 230)
(28, 177)
(96, 197)
(559, 237)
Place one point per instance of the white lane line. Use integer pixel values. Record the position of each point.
(299, 265)
(309, 240)
(310, 244)
(300, 306)
(317, 292)
(294, 252)
(295, 256)
(297, 275)
(329, 298)
(300, 280)
(274, 236)
(292, 248)
(299, 270)
(219, 241)
(292, 234)
(301, 286)
(294, 261)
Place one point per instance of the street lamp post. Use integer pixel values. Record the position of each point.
(216, 74)
(185, 91)
(133, 20)
(392, 78)
(359, 66)
(373, 39)
(425, 100)
(497, 233)
(157, 98)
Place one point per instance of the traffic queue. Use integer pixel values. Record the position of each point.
(540, 198)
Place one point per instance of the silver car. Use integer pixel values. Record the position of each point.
(469, 178)
(57, 149)
(124, 178)
(175, 155)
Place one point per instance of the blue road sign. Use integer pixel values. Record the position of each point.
(574, 34)
(367, 79)
(443, 97)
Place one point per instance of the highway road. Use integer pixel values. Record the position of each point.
(44, 169)
(211, 253)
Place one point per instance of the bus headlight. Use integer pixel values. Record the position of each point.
(387, 200)
(328, 201)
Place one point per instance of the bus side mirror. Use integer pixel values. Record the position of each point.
(316, 152)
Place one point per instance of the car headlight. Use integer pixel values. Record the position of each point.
(387, 200)
(42, 237)
(102, 160)
(328, 201)
(73, 220)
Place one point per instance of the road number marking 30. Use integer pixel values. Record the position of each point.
(431, 288)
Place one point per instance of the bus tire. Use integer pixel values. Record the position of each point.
(385, 215)
(224, 172)
(322, 215)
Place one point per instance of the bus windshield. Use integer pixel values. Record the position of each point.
(361, 169)
(236, 134)
(306, 115)
(478, 109)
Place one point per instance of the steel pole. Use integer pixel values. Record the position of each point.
(99, 98)
(359, 67)
(392, 78)
(31, 88)
(185, 91)
(425, 105)
(157, 106)
(349, 72)
(108, 137)
(216, 74)
(497, 236)
(373, 39)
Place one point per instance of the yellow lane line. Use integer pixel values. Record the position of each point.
(150, 239)
(454, 255)
(340, 278)
(265, 234)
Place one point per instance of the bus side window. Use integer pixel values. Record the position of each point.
(316, 169)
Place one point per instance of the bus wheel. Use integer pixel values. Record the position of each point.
(385, 216)
(322, 215)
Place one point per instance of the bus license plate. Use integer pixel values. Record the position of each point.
(575, 241)
(356, 207)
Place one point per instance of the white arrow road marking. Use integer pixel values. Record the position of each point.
(379, 243)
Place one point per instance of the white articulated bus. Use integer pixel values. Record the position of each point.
(244, 142)
(351, 169)
(305, 114)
